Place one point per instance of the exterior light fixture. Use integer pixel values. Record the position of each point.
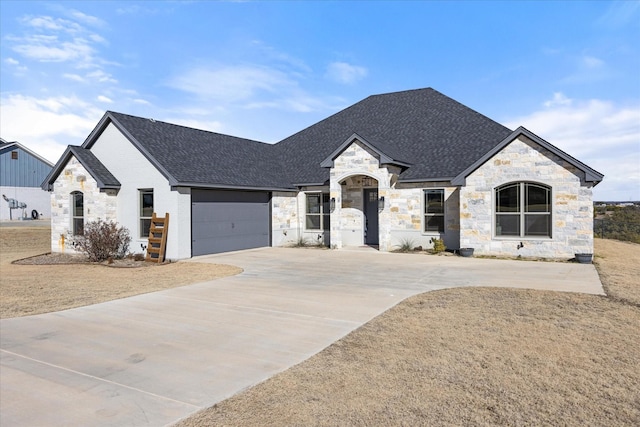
(381, 203)
(332, 204)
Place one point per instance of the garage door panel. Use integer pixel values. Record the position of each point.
(225, 221)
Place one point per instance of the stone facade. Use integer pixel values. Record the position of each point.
(406, 206)
(285, 218)
(357, 159)
(525, 161)
(469, 208)
(97, 204)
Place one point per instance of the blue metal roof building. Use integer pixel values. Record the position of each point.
(21, 174)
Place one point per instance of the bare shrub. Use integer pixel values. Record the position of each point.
(103, 240)
(406, 245)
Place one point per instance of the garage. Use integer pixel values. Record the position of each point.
(223, 221)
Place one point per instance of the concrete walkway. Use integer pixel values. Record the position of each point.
(156, 358)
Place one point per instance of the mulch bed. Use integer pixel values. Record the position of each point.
(62, 259)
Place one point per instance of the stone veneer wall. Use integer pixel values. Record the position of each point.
(406, 205)
(357, 159)
(524, 160)
(97, 204)
(285, 218)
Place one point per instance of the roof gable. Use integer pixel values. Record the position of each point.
(382, 157)
(96, 169)
(5, 146)
(591, 175)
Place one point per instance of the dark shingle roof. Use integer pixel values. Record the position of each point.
(196, 157)
(95, 167)
(434, 135)
(438, 136)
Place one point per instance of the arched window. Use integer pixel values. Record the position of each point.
(77, 213)
(523, 209)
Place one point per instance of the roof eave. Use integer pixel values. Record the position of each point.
(436, 179)
(229, 187)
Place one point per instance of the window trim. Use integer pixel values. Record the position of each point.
(74, 196)
(321, 214)
(522, 211)
(425, 214)
(141, 217)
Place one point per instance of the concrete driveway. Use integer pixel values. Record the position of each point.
(156, 358)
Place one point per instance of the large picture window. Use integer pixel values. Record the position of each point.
(523, 209)
(317, 211)
(434, 211)
(146, 211)
(77, 213)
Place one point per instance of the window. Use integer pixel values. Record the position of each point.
(14, 155)
(434, 211)
(523, 210)
(146, 211)
(317, 212)
(77, 213)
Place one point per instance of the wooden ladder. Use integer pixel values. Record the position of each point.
(157, 238)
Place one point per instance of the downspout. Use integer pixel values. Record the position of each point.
(298, 220)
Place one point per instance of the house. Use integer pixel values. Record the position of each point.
(405, 166)
(21, 173)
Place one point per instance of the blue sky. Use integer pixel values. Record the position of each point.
(568, 71)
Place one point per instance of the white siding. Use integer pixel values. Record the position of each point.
(135, 172)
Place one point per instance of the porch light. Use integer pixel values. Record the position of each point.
(332, 204)
(381, 203)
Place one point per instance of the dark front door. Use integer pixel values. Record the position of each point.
(371, 216)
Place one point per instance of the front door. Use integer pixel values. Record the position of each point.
(371, 216)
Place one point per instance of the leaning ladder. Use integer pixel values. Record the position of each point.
(157, 238)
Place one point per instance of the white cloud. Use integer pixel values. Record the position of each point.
(87, 19)
(101, 76)
(342, 72)
(104, 99)
(50, 23)
(232, 83)
(12, 61)
(47, 125)
(558, 99)
(588, 69)
(51, 39)
(74, 77)
(600, 133)
(620, 13)
(592, 62)
(50, 49)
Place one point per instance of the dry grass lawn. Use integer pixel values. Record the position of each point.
(618, 264)
(474, 356)
(34, 289)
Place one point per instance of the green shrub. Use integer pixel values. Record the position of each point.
(623, 223)
(438, 245)
(103, 240)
